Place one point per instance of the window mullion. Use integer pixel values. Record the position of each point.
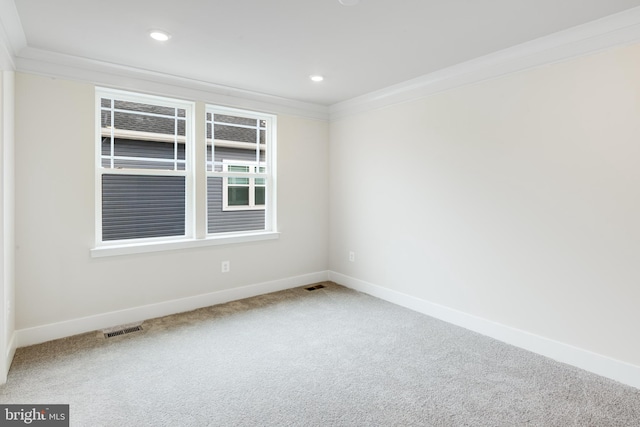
(149, 172)
(112, 136)
(252, 192)
(175, 139)
(257, 143)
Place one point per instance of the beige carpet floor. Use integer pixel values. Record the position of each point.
(328, 357)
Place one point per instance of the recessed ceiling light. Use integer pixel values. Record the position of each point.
(316, 78)
(348, 2)
(161, 36)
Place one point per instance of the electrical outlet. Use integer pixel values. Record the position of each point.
(226, 266)
(352, 256)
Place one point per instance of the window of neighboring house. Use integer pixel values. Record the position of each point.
(242, 192)
(148, 169)
(240, 171)
(144, 167)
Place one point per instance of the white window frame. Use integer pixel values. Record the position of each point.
(196, 172)
(188, 171)
(269, 164)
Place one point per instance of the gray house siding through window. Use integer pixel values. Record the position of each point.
(162, 153)
(128, 199)
(220, 221)
(139, 206)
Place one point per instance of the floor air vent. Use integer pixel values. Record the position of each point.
(122, 332)
(313, 288)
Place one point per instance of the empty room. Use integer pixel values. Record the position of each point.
(320, 213)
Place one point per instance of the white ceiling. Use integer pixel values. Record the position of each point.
(272, 46)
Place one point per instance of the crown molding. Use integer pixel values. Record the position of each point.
(6, 58)
(53, 64)
(15, 54)
(615, 30)
(12, 38)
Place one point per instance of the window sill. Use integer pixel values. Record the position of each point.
(138, 248)
(242, 208)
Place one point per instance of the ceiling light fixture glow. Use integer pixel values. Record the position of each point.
(316, 78)
(161, 36)
(348, 2)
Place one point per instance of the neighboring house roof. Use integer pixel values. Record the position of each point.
(164, 124)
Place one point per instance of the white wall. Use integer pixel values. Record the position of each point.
(58, 280)
(516, 200)
(513, 200)
(7, 241)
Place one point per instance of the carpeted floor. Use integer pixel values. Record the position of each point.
(329, 357)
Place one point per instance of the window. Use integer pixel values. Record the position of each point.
(144, 167)
(240, 174)
(242, 193)
(148, 167)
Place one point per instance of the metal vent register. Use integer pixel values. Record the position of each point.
(123, 331)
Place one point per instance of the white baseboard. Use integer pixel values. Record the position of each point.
(10, 352)
(617, 370)
(43, 333)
